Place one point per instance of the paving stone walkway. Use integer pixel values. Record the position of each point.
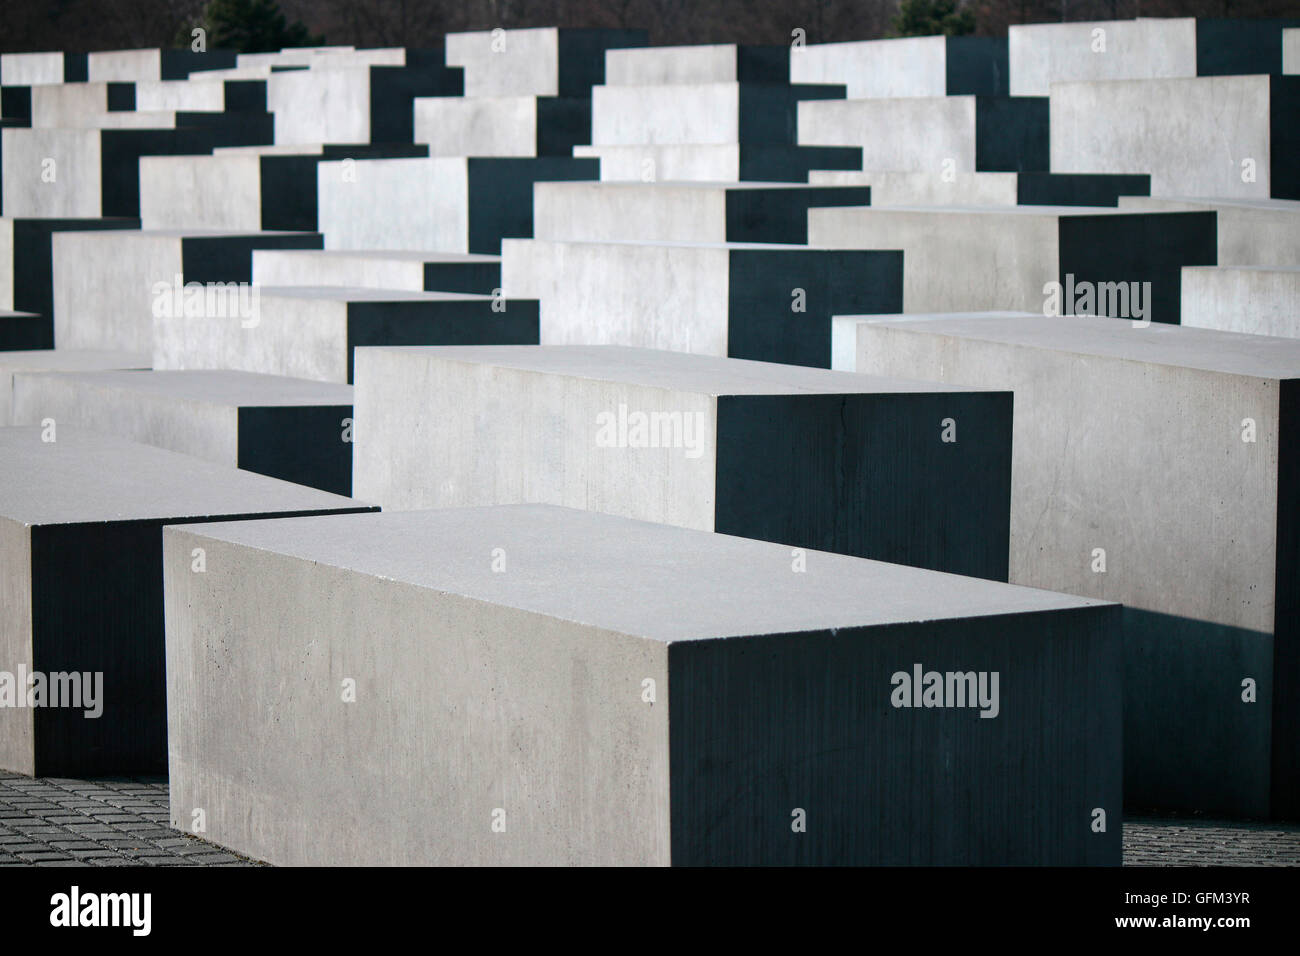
(58, 822)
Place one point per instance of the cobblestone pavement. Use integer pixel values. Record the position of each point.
(57, 822)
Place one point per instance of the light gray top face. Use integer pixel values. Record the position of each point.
(10, 314)
(649, 580)
(613, 185)
(394, 255)
(352, 294)
(1231, 353)
(675, 371)
(72, 360)
(85, 477)
(216, 387)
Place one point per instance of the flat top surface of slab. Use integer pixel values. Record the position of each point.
(217, 387)
(676, 371)
(655, 581)
(700, 184)
(396, 255)
(350, 294)
(72, 360)
(1274, 205)
(110, 234)
(1232, 353)
(1041, 212)
(88, 477)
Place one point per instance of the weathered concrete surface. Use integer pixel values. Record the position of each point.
(726, 163)
(540, 62)
(807, 457)
(109, 285)
(444, 204)
(131, 66)
(310, 332)
(907, 66)
(943, 187)
(80, 535)
(35, 69)
(766, 302)
(1162, 127)
(700, 113)
(1252, 232)
(553, 741)
(293, 429)
(703, 63)
(1131, 441)
(59, 360)
(960, 133)
(972, 259)
(683, 212)
(1258, 300)
(75, 105)
(1045, 53)
(502, 125)
(390, 269)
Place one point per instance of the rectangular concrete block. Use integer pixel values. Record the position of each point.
(502, 125)
(1221, 136)
(537, 62)
(806, 457)
(1252, 232)
(683, 212)
(406, 271)
(74, 105)
(26, 261)
(701, 113)
(965, 188)
(770, 303)
(60, 360)
(306, 332)
(293, 429)
(972, 259)
(705, 63)
(81, 519)
(130, 66)
(443, 204)
(725, 163)
(1258, 300)
(523, 715)
(1156, 467)
(961, 133)
(108, 285)
(907, 66)
(34, 69)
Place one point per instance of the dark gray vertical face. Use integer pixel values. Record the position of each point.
(1286, 630)
(33, 259)
(1240, 47)
(393, 90)
(562, 123)
(1012, 134)
(288, 192)
(977, 66)
(764, 322)
(1284, 137)
(871, 476)
(501, 195)
(1078, 189)
(806, 723)
(582, 57)
(1190, 742)
(769, 112)
(1138, 248)
(230, 258)
(781, 215)
(303, 444)
(120, 152)
(476, 278)
(97, 607)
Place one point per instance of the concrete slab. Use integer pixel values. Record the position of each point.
(1163, 127)
(726, 163)
(1291, 51)
(1257, 300)
(109, 285)
(907, 66)
(956, 133)
(73, 105)
(771, 303)
(62, 360)
(502, 125)
(705, 63)
(538, 62)
(1096, 255)
(1165, 454)
(306, 332)
(130, 66)
(34, 69)
(293, 429)
(807, 457)
(372, 269)
(941, 187)
(446, 204)
(1252, 232)
(546, 751)
(81, 521)
(685, 212)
